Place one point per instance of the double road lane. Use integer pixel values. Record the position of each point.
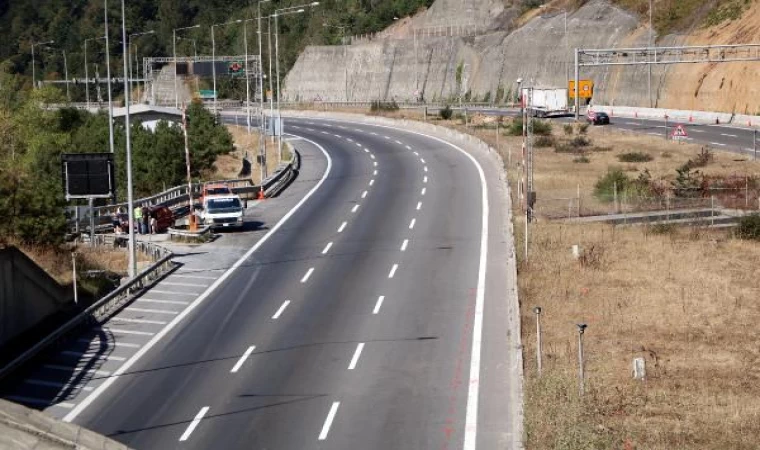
(373, 314)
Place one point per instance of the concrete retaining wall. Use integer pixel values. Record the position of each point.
(28, 295)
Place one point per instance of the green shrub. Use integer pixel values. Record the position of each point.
(446, 113)
(378, 105)
(631, 157)
(749, 227)
(544, 141)
(662, 228)
(515, 127)
(568, 129)
(583, 128)
(615, 180)
(583, 159)
(580, 141)
(542, 127)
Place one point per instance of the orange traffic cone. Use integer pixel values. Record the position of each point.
(261, 195)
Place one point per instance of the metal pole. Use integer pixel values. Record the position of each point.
(262, 139)
(213, 63)
(92, 222)
(649, 66)
(527, 219)
(34, 73)
(345, 60)
(192, 224)
(174, 53)
(66, 73)
(539, 359)
(110, 102)
(567, 49)
(754, 143)
(86, 76)
(576, 88)
(247, 79)
(581, 374)
(271, 87)
(130, 200)
(74, 275)
(277, 70)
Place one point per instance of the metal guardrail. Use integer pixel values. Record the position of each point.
(104, 308)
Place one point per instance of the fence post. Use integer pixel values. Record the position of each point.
(579, 199)
(615, 198)
(712, 210)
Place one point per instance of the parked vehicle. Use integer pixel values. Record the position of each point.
(598, 118)
(545, 102)
(164, 217)
(222, 211)
(214, 189)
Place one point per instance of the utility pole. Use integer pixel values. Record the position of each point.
(130, 197)
(110, 102)
(581, 368)
(174, 53)
(539, 356)
(649, 66)
(66, 74)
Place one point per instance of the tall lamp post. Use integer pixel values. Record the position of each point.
(129, 45)
(345, 53)
(34, 74)
(283, 11)
(66, 74)
(86, 69)
(130, 197)
(213, 54)
(262, 139)
(195, 53)
(174, 52)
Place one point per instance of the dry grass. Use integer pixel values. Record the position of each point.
(694, 324)
(228, 166)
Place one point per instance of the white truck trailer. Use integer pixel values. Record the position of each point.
(545, 102)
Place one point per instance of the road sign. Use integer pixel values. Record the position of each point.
(679, 132)
(585, 88)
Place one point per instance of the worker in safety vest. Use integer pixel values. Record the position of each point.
(138, 213)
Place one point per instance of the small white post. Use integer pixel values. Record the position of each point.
(74, 264)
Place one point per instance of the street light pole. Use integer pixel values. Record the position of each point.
(110, 102)
(129, 45)
(174, 53)
(262, 139)
(66, 74)
(345, 55)
(213, 56)
(130, 199)
(649, 66)
(34, 74)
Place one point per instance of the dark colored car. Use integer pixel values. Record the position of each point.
(164, 217)
(598, 118)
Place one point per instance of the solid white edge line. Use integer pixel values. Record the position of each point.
(378, 304)
(160, 335)
(193, 424)
(242, 359)
(281, 310)
(342, 227)
(329, 421)
(404, 245)
(393, 271)
(425, 179)
(327, 248)
(355, 358)
(308, 274)
(471, 414)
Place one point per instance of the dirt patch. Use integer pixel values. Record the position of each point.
(229, 166)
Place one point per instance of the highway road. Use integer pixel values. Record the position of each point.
(366, 310)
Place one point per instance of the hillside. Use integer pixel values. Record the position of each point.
(70, 22)
(481, 56)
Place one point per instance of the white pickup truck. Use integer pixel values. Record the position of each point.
(222, 211)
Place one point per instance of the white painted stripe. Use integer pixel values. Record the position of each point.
(422, 160)
(163, 302)
(366, 150)
(38, 401)
(91, 355)
(694, 130)
(387, 137)
(419, 206)
(327, 248)
(393, 271)
(408, 148)
(169, 283)
(411, 224)
(324, 132)
(349, 139)
(399, 142)
(631, 123)
(329, 421)
(371, 182)
(108, 344)
(355, 208)
(338, 136)
(120, 331)
(373, 133)
(655, 134)
(355, 358)
(404, 245)
(282, 308)
(364, 194)
(378, 304)
(372, 156)
(55, 384)
(423, 191)
(150, 322)
(425, 179)
(192, 276)
(374, 173)
(242, 359)
(375, 163)
(425, 168)
(308, 274)
(728, 135)
(156, 291)
(193, 424)
(416, 154)
(75, 369)
(718, 144)
(155, 311)
(342, 227)
(358, 144)
(158, 337)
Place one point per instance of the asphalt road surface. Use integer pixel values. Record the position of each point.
(369, 314)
